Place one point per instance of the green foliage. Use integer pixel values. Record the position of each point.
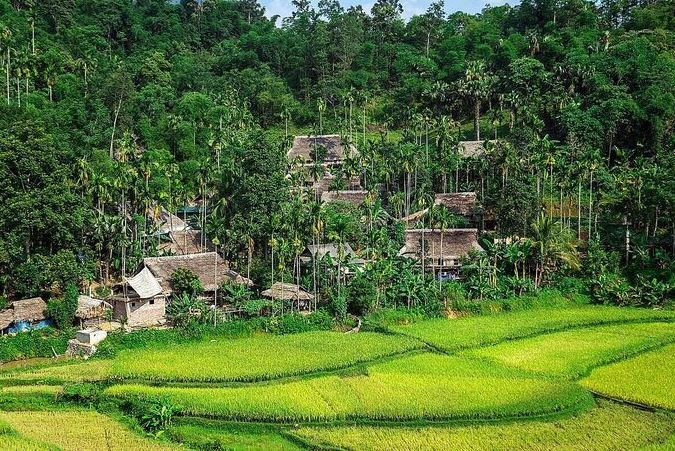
(295, 323)
(185, 282)
(158, 416)
(62, 310)
(38, 343)
(186, 311)
(613, 289)
(85, 393)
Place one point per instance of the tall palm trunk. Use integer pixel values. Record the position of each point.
(476, 119)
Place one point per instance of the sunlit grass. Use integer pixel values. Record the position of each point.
(78, 430)
(607, 427)
(574, 353)
(469, 332)
(646, 379)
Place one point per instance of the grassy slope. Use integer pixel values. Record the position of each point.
(259, 358)
(646, 379)
(10, 440)
(78, 430)
(467, 389)
(203, 434)
(456, 334)
(574, 353)
(609, 426)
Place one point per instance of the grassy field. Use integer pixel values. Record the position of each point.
(646, 379)
(89, 371)
(469, 332)
(259, 358)
(78, 430)
(608, 427)
(388, 391)
(574, 353)
(10, 440)
(204, 434)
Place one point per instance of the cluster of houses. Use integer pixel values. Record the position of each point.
(141, 300)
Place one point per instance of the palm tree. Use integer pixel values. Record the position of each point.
(554, 247)
(476, 85)
(5, 46)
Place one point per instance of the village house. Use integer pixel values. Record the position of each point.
(460, 204)
(142, 299)
(440, 250)
(289, 292)
(91, 311)
(325, 149)
(25, 314)
(356, 197)
(178, 238)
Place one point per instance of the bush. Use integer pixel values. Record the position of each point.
(184, 281)
(62, 310)
(185, 311)
(81, 393)
(36, 343)
(615, 289)
(297, 323)
(338, 305)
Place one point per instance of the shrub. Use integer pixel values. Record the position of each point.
(36, 343)
(184, 281)
(338, 305)
(296, 323)
(82, 393)
(158, 415)
(62, 310)
(615, 289)
(185, 310)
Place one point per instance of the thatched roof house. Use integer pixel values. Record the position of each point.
(168, 222)
(351, 197)
(29, 310)
(287, 292)
(209, 267)
(334, 148)
(186, 242)
(471, 149)
(462, 204)
(91, 310)
(440, 248)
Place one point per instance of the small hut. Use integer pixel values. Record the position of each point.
(357, 198)
(186, 242)
(289, 292)
(91, 311)
(24, 314)
(319, 252)
(333, 148)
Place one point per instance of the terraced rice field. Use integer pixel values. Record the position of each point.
(508, 381)
(607, 427)
(647, 379)
(573, 353)
(77, 430)
(259, 358)
(470, 332)
(388, 392)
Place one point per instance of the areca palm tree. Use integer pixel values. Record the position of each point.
(476, 86)
(554, 247)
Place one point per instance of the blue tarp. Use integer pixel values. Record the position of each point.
(25, 326)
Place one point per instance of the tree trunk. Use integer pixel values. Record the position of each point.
(476, 119)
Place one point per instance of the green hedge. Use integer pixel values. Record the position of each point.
(37, 343)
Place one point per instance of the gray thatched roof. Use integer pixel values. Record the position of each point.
(462, 204)
(448, 244)
(471, 149)
(168, 222)
(321, 250)
(287, 292)
(336, 149)
(352, 197)
(30, 310)
(210, 267)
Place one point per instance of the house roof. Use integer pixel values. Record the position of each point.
(352, 197)
(185, 242)
(145, 284)
(209, 267)
(168, 222)
(471, 149)
(448, 243)
(336, 149)
(287, 292)
(32, 309)
(458, 203)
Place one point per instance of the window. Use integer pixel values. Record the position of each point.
(152, 302)
(133, 304)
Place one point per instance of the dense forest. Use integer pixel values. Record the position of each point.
(115, 109)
